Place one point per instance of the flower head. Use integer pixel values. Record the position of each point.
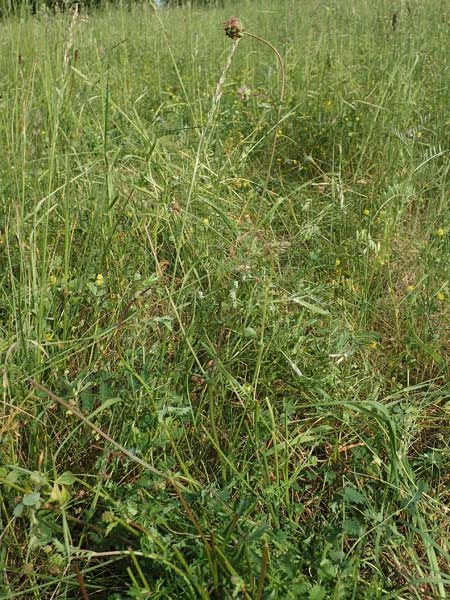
(440, 232)
(233, 28)
(99, 280)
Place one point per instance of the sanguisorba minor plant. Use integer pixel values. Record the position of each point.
(235, 30)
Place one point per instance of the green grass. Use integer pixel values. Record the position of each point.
(266, 375)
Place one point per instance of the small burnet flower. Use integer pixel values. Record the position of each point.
(233, 28)
(440, 232)
(99, 280)
(108, 516)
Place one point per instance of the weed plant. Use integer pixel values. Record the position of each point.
(209, 391)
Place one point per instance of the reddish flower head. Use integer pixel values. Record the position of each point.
(233, 28)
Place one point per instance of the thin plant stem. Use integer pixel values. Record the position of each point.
(281, 100)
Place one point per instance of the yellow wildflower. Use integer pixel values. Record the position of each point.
(440, 296)
(99, 280)
(52, 280)
(440, 232)
(366, 212)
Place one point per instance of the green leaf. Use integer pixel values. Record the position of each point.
(67, 478)
(12, 477)
(326, 569)
(18, 510)
(353, 496)
(37, 479)
(42, 535)
(352, 527)
(166, 321)
(311, 307)
(92, 288)
(59, 495)
(258, 532)
(317, 592)
(32, 499)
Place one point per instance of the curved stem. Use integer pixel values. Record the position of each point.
(282, 86)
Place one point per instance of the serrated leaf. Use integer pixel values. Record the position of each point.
(32, 499)
(326, 569)
(42, 535)
(317, 592)
(351, 527)
(67, 478)
(353, 496)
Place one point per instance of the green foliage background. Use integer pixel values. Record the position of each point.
(280, 362)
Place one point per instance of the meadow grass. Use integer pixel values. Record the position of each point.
(209, 391)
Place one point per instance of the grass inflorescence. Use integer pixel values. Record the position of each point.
(225, 376)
